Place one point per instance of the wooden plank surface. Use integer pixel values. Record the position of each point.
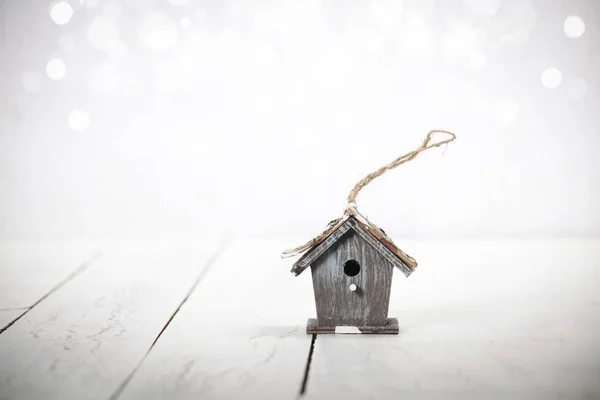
(508, 319)
(240, 335)
(83, 341)
(7, 316)
(504, 319)
(30, 270)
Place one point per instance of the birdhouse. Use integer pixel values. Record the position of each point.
(352, 264)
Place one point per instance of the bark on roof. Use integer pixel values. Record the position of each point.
(369, 232)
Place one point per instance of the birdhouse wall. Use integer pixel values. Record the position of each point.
(336, 303)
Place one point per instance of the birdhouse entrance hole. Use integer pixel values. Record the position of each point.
(351, 267)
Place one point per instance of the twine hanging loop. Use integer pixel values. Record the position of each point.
(352, 208)
(399, 161)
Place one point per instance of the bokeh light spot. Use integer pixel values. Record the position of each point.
(89, 3)
(56, 69)
(199, 14)
(482, 7)
(61, 12)
(574, 27)
(79, 120)
(479, 104)
(577, 88)
(421, 37)
(478, 60)
(376, 44)
(32, 81)
(159, 32)
(460, 42)
(386, 13)
(103, 33)
(113, 9)
(266, 58)
(266, 20)
(118, 52)
(507, 112)
(551, 78)
(185, 23)
(519, 16)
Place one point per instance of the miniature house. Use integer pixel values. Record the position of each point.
(352, 276)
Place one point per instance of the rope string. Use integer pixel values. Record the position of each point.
(399, 161)
(351, 208)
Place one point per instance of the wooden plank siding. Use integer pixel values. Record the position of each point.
(336, 304)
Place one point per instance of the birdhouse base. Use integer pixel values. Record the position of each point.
(389, 328)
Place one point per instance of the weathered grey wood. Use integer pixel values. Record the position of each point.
(30, 270)
(81, 342)
(390, 327)
(311, 255)
(336, 303)
(240, 336)
(381, 248)
(351, 224)
(478, 319)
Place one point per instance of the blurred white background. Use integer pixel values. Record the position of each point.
(173, 118)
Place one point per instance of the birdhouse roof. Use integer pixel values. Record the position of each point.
(369, 232)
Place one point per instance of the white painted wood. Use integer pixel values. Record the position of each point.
(29, 270)
(7, 316)
(83, 340)
(347, 329)
(505, 319)
(241, 334)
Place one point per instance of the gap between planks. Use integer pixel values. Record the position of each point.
(311, 350)
(84, 266)
(223, 245)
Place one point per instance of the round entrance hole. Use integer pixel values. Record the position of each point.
(351, 267)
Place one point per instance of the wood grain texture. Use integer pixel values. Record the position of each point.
(240, 335)
(336, 304)
(81, 342)
(29, 270)
(311, 255)
(478, 319)
(389, 328)
(366, 231)
(384, 239)
(381, 248)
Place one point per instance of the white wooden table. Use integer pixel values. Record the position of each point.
(225, 319)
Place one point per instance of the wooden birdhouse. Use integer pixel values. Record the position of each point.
(352, 265)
